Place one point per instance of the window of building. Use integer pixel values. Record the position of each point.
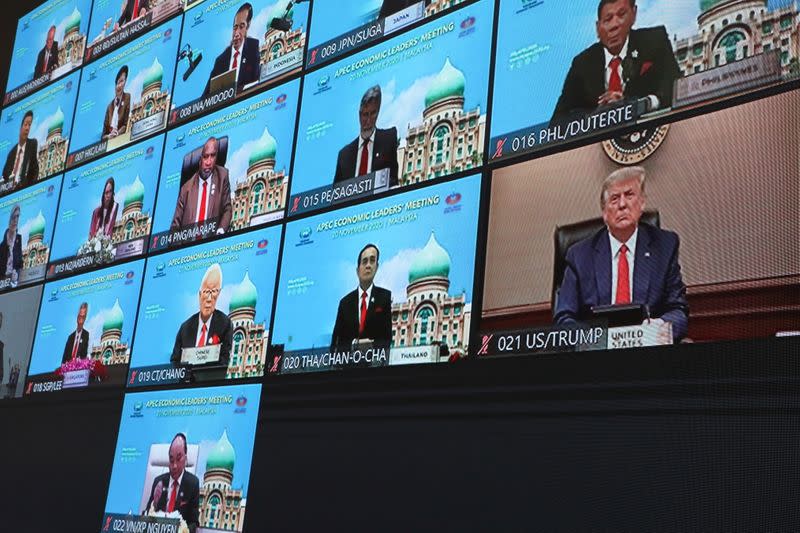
(766, 28)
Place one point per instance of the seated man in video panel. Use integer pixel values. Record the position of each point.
(131, 10)
(365, 314)
(77, 344)
(178, 489)
(242, 55)
(625, 63)
(47, 60)
(626, 262)
(22, 163)
(374, 149)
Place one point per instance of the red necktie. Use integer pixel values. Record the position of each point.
(75, 345)
(171, 504)
(235, 58)
(202, 215)
(135, 9)
(363, 321)
(623, 277)
(362, 167)
(614, 81)
(202, 341)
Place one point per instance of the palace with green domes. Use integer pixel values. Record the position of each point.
(53, 152)
(111, 350)
(73, 44)
(221, 506)
(133, 224)
(153, 101)
(449, 139)
(731, 30)
(430, 315)
(36, 252)
(250, 339)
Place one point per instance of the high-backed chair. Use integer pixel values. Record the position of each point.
(191, 161)
(158, 463)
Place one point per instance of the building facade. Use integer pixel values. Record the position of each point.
(111, 350)
(221, 506)
(263, 190)
(250, 339)
(133, 224)
(152, 102)
(53, 152)
(279, 43)
(430, 315)
(73, 45)
(36, 252)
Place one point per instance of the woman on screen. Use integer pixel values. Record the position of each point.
(105, 215)
(11, 247)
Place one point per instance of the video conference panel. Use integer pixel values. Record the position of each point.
(18, 313)
(667, 57)
(106, 209)
(245, 169)
(409, 110)
(205, 311)
(704, 262)
(231, 49)
(50, 42)
(196, 444)
(388, 282)
(85, 330)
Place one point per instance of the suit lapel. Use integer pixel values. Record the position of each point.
(598, 73)
(602, 268)
(191, 202)
(642, 266)
(212, 194)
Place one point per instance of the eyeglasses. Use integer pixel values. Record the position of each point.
(206, 293)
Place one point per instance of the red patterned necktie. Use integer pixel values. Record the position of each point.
(363, 321)
(623, 277)
(135, 9)
(202, 341)
(362, 167)
(202, 216)
(614, 81)
(235, 58)
(171, 504)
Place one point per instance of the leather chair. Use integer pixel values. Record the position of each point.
(158, 463)
(567, 235)
(191, 161)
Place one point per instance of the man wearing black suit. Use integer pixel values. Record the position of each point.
(242, 55)
(47, 60)
(177, 490)
(22, 163)
(78, 341)
(365, 314)
(625, 64)
(210, 326)
(133, 9)
(374, 149)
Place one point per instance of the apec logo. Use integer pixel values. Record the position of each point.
(149, 152)
(93, 74)
(198, 19)
(280, 101)
(137, 410)
(180, 141)
(50, 190)
(323, 84)
(262, 247)
(453, 199)
(54, 295)
(241, 402)
(467, 27)
(305, 236)
(168, 34)
(129, 277)
(73, 182)
(69, 86)
(453, 202)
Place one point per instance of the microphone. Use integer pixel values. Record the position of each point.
(192, 58)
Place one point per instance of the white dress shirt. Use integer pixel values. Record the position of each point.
(200, 333)
(370, 150)
(170, 490)
(18, 161)
(360, 295)
(654, 102)
(631, 255)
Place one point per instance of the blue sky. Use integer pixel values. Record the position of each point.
(335, 112)
(137, 435)
(43, 201)
(57, 318)
(328, 266)
(83, 188)
(275, 119)
(169, 299)
(535, 49)
(32, 34)
(208, 27)
(332, 18)
(45, 104)
(97, 83)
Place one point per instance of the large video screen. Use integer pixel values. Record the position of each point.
(245, 170)
(50, 42)
(28, 217)
(182, 461)
(106, 209)
(574, 69)
(387, 282)
(85, 330)
(409, 110)
(126, 96)
(206, 310)
(701, 260)
(18, 312)
(230, 49)
(35, 134)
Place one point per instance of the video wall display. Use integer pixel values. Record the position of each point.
(182, 461)
(35, 134)
(106, 209)
(18, 312)
(85, 331)
(205, 311)
(231, 49)
(409, 110)
(241, 155)
(599, 66)
(50, 42)
(340, 27)
(126, 96)
(395, 286)
(649, 239)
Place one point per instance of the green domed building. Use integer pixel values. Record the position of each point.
(250, 339)
(221, 506)
(36, 252)
(111, 350)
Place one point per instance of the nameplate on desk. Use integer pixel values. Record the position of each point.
(638, 336)
(201, 355)
(413, 355)
(401, 19)
(76, 378)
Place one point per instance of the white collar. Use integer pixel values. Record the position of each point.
(371, 138)
(622, 53)
(368, 292)
(180, 480)
(616, 245)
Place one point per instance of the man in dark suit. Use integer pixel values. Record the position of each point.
(210, 326)
(77, 343)
(133, 9)
(47, 60)
(390, 7)
(177, 490)
(374, 149)
(365, 314)
(22, 163)
(625, 64)
(119, 109)
(242, 55)
(627, 262)
(206, 196)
